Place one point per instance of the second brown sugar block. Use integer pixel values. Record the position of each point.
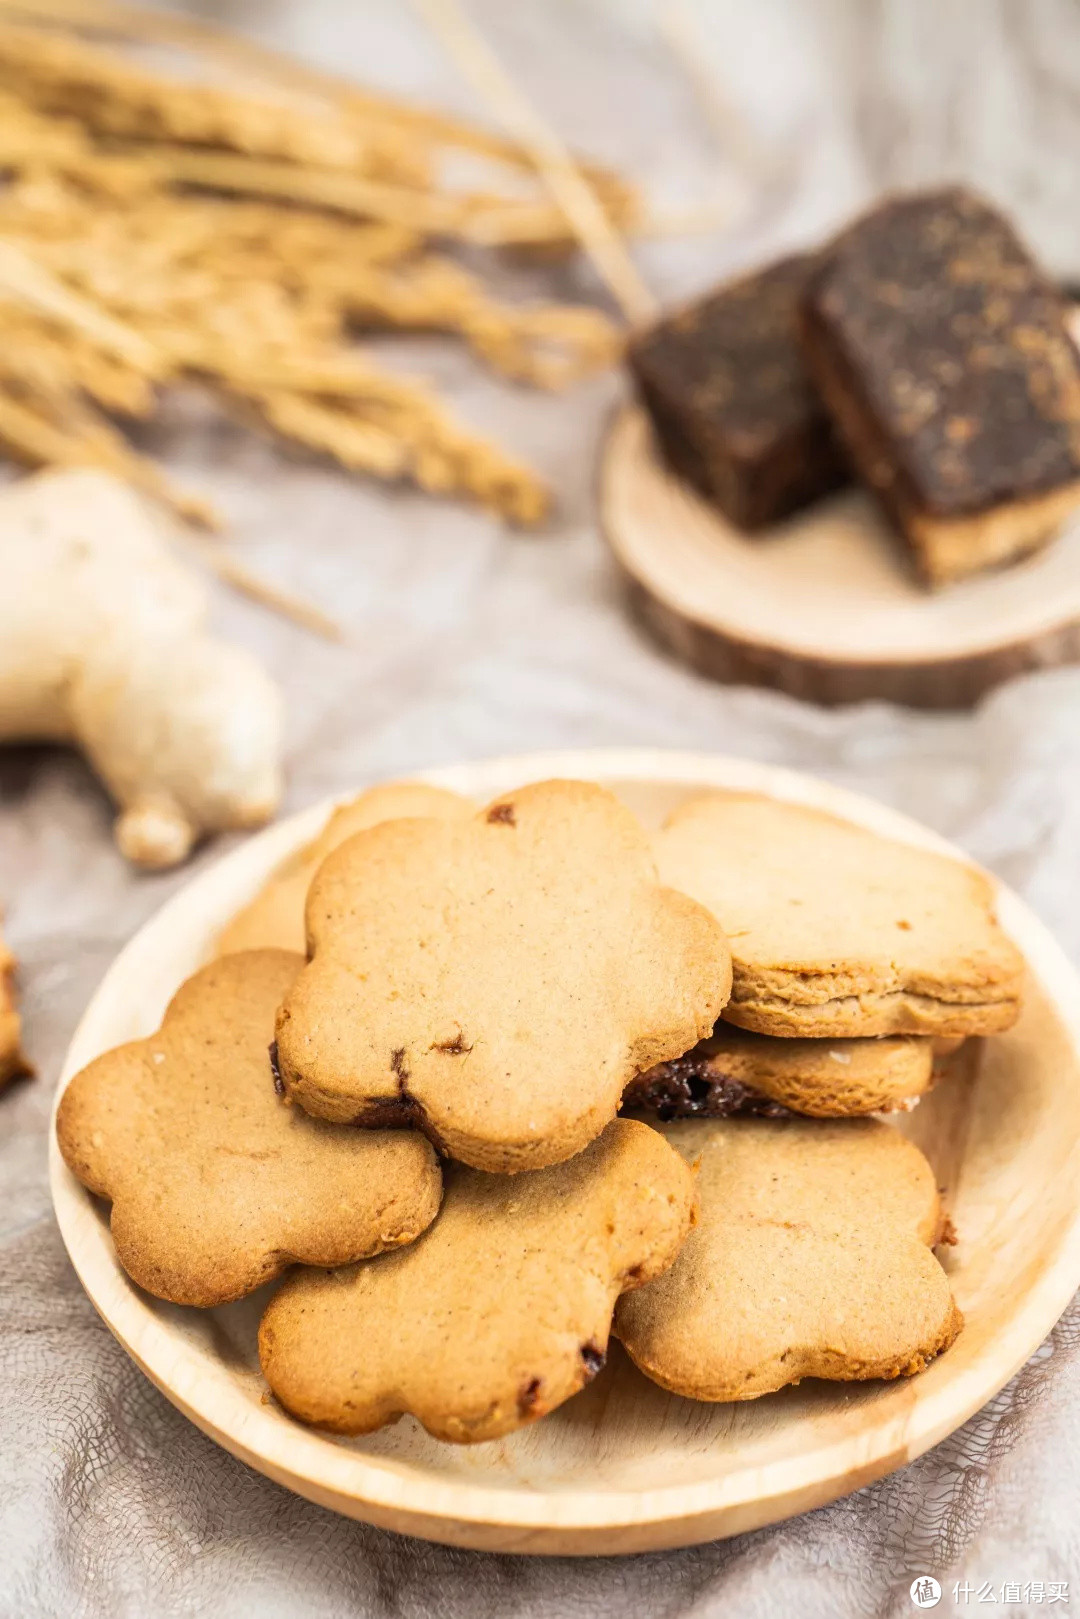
(941, 350)
(725, 385)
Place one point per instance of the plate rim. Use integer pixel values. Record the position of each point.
(566, 1520)
(625, 417)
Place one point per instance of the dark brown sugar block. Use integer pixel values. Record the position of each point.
(725, 383)
(216, 1184)
(500, 1312)
(736, 1071)
(941, 350)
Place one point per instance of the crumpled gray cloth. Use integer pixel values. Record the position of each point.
(467, 641)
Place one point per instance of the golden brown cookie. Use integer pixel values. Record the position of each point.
(496, 982)
(12, 1061)
(835, 931)
(499, 1312)
(811, 1257)
(217, 1185)
(734, 1071)
(275, 917)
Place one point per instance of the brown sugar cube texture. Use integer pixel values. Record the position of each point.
(941, 350)
(724, 381)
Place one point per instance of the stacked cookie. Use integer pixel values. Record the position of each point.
(856, 962)
(419, 1119)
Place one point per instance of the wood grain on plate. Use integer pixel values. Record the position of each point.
(824, 606)
(624, 1466)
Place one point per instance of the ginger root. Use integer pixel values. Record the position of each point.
(103, 644)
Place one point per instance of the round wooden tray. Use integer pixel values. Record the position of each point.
(824, 606)
(624, 1466)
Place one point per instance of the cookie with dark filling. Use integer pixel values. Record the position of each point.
(735, 1071)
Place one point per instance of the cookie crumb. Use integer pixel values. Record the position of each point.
(947, 1236)
(502, 815)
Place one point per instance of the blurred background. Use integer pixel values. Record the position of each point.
(749, 128)
(794, 112)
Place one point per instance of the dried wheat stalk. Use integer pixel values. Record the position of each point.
(214, 45)
(156, 228)
(571, 191)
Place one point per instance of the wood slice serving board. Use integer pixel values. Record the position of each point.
(624, 1466)
(824, 606)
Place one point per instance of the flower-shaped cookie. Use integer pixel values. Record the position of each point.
(497, 981)
(275, 917)
(838, 932)
(811, 1257)
(216, 1184)
(499, 1312)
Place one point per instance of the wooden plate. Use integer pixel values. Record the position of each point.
(624, 1466)
(823, 606)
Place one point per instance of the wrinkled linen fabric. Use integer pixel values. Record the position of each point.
(468, 641)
